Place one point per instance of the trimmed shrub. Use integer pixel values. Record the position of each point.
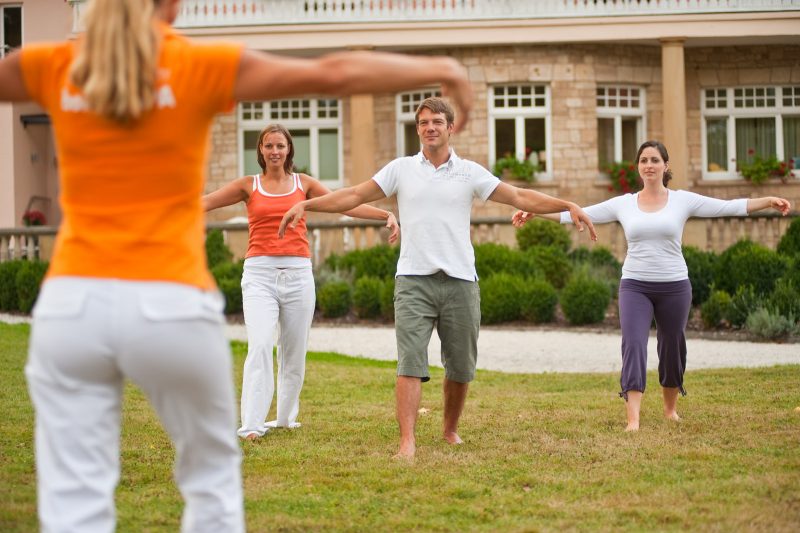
(387, 299)
(29, 280)
(552, 262)
(367, 297)
(335, 299)
(229, 281)
(379, 261)
(743, 302)
(216, 250)
(542, 232)
(8, 285)
(790, 242)
(748, 263)
(785, 298)
(701, 272)
(501, 298)
(715, 309)
(491, 258)
(584, 300)
(599, 256)
(539, 300)
(770, 325)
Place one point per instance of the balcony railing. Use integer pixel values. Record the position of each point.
(214, 13)
(339, 236)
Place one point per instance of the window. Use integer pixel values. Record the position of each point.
(315, 125)
(519, 124)
(407, 103)
(620, 123)
(739, 123)
(11, 31)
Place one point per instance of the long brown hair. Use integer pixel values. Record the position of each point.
(117, 60)
(288, 165)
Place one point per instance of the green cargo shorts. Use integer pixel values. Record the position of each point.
(454, 307)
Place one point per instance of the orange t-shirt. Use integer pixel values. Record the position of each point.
(264, 214)
(131, 194)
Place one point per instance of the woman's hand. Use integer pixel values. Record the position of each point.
(394, 228)
(519, 218)
(780, 204)
(579, 218)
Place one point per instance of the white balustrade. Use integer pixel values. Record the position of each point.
(211, 13)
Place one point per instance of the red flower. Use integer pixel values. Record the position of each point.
(622, 173)
(33, 218)
(750, 151)
(631, 168)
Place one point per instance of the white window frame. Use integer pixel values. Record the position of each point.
(3, 45)
(732, 113)
(617, 113)
(519, 114)
(267, 112)
(405, 113)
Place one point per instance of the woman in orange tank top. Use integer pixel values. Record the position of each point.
(278, 283)
(128, 294)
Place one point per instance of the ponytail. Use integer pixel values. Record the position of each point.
(117, 60)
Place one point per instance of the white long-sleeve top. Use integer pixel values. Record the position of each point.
(654, 239)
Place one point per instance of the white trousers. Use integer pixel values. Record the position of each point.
(275, 297)
(88, 336)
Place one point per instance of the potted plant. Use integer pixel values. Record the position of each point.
(624, 177)
(511, 168)
(33, 218)
(759, 169)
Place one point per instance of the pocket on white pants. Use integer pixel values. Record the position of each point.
(59, 300)
(181, 303)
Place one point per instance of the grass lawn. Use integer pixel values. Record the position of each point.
(543, 452)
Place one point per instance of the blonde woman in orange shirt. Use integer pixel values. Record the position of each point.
(277, 284)
(128, 294)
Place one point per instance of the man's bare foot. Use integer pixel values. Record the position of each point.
(632, 426)
(672, 416)
(453, 438)
(406, 452)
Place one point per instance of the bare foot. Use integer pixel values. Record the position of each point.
(632, 426)
(407, 450)
(672, 416)
(251, 437)
(453, 438)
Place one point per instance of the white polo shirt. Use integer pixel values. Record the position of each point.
(435, 206)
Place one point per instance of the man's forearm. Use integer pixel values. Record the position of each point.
(335, 202)
(540, 203)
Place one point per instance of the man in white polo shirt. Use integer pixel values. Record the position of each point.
(436, 283)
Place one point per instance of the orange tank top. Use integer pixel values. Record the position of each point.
(264, 214)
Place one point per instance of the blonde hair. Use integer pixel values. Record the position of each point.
(117, 60)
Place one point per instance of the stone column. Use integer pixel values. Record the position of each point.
(674, 88)
(362, 139)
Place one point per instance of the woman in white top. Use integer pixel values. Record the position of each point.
(655, 279)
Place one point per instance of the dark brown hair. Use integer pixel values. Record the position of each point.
(436, 105)
(288, 165)
(664, 155)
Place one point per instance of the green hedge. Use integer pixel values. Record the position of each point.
(541, 232)
(584, 300)
(701, 272)
(217, 252)
(229, 280)
(716, 309)
(539, 300)
(29, 279)
(335, 299)
(367, 297)
(790, 241)
(501, 298)
(747, 263)
(379, 261)
(8, 285)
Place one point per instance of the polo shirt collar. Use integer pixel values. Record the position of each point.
(450, 161)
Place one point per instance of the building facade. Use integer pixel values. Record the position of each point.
(569, 85)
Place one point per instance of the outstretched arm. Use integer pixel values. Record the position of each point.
(264, 76)
(519, 218)
(779, 204)
(340, 201)
(232, 193)
(12, 86)
(540, 203)
(316, 189)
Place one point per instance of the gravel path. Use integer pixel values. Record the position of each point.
(535, 351)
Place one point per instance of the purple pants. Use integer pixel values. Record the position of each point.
(669, 302)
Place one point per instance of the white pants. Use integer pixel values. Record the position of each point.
(275, 296)
(88, 336)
